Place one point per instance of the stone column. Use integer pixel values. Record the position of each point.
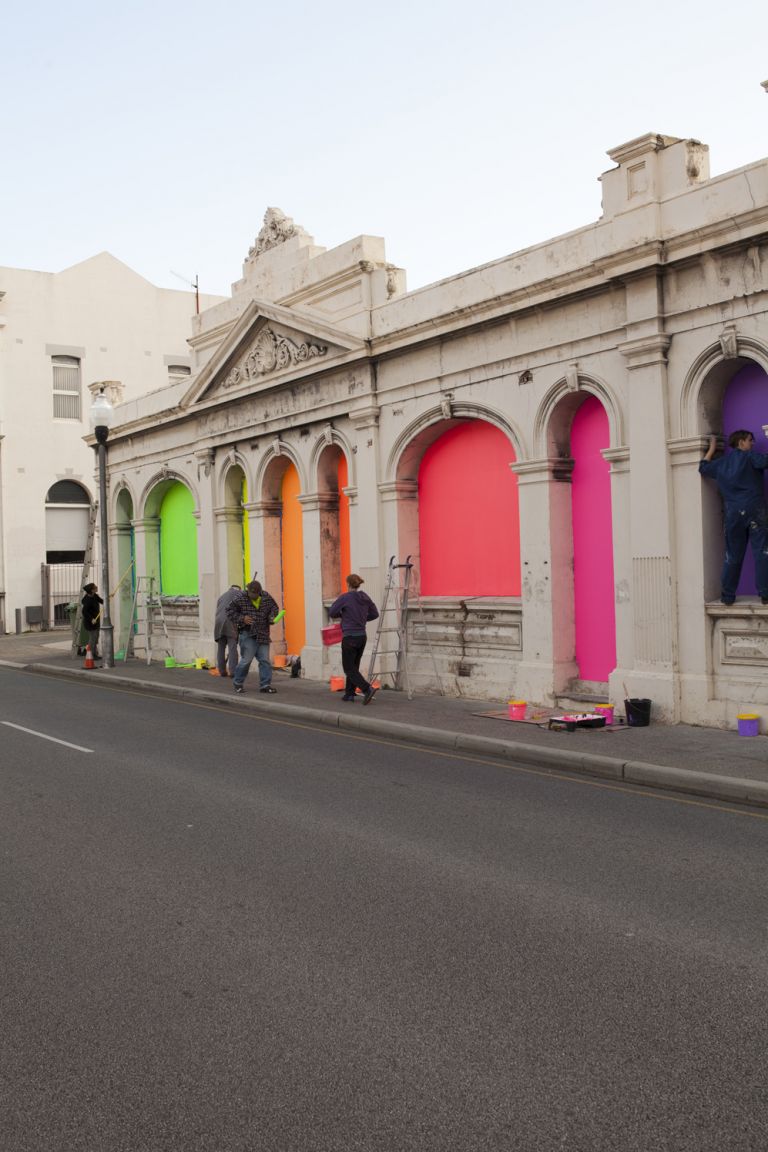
(318, 559)
(122, 603)
(365, 526)
(618, 460)
(208, 592)
(548, 663)
(146, 543)
(652, 671)
(228, 528)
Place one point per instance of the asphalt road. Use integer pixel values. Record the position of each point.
(223, 934)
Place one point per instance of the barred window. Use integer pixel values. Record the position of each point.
(66, 388)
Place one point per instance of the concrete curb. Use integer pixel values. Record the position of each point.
(736, 790)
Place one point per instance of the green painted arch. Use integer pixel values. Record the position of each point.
(178, 543)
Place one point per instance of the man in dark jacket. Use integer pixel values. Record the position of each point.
(739, 477)
(225, 634)
(92, 604)
(355, 608)
(252, 612)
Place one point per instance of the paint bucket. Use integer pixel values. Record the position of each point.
(638, 712)
(170, 661)
(749, 724)
(337, 683)
(331, 634)
(517, 709)
(605, 710)
(200, 663)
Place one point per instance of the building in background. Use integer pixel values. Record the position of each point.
(528, 432)
(60, 333)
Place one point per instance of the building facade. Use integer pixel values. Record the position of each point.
(60, 333)
(528, 432)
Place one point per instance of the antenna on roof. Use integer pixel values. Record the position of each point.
(193, 284)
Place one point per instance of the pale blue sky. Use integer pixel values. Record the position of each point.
(460, 132)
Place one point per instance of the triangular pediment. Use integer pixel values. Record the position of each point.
(267, 344)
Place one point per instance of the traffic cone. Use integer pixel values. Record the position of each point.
(88, 658)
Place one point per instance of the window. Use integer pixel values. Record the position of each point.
(178, 372)
(66, 388)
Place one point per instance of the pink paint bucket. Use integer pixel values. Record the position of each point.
(749, 724)
(517, 709)
(605, 710)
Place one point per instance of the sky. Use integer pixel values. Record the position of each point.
(460, 132)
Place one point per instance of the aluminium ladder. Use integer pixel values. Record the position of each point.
(145, 600)
(397, 601)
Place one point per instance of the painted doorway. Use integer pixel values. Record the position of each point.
(469, 520)
(593, 583)
(745, 405)
(292, 553)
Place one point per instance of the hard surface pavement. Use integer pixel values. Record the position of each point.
(703, 761)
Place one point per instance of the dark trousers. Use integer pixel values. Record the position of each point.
(745, 526)
(93, 640)
(226, 655)
(352, 648)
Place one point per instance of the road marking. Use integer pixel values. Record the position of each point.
(627, 788)
(42, 735)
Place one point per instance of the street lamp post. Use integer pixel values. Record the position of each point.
(102, 415)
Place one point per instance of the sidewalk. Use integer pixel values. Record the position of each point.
(703, 761)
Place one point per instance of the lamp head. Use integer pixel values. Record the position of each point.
(102, 416)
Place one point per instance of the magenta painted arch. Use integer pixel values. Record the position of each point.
(469, 521)
(593, 586)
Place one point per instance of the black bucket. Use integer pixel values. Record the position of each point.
(638, 713)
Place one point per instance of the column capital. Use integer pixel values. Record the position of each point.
(319, 501)
(399, 490)
(646, 351)
(365, 417)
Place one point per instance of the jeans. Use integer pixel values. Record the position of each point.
(352, 648)
(226, 662)
(744, 525)
(93, 640)
(250, 649)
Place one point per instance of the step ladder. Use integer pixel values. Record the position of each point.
(397, 601)
(145, 600)
(85, 577)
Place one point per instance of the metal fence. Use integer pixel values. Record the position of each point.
(61, 585)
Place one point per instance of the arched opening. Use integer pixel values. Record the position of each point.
(745, 406)
(292, 552)
(126, 569)
(238, 544)
(67, 509)
(468, 514)
(593, 582)
(178, 542)
(335, 550)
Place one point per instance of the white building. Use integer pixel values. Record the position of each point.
(59, 333)
(528, 432)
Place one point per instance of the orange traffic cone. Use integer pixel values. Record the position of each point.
(88, 658)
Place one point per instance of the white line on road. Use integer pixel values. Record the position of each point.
(43, 736)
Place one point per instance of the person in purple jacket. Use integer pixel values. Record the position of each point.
(355, 609)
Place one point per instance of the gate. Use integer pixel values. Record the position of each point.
(61, 585)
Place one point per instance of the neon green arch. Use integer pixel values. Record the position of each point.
(178, 543)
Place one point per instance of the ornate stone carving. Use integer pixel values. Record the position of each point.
(276, 229)
(572, 377)
(446, 405)
(271, 352)
(525, 377)
(729, 342)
